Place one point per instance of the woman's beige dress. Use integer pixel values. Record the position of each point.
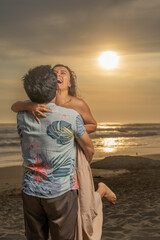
(90, 216)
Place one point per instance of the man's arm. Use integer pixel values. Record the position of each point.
(87, 146)
(83, 139)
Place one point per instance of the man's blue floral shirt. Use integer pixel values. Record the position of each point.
(49, 151)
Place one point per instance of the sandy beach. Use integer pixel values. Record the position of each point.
(135, 180)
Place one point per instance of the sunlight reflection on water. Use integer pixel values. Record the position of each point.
(111, 144)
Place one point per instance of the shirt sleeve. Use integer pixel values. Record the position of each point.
(80, 128)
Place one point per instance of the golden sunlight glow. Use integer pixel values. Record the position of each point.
(108, 60)
(111, 144)
(108, 150)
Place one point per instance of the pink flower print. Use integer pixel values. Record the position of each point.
(55, 111)
(40, 170)
(63, 116)
(37, 178)
(75, 185)
(34, 146)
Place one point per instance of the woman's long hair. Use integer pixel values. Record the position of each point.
(72, 91)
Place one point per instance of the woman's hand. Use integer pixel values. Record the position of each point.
(37, 109)
(31, 107)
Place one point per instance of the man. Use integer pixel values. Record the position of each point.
(49, 190)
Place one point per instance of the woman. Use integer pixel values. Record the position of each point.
(66, 96)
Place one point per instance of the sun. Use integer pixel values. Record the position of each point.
(109, 60)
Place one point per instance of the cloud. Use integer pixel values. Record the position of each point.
(75, 33)
(80, 27)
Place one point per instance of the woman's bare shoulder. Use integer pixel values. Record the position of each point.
(79, 102)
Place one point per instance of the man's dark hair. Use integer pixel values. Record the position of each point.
(40, 84)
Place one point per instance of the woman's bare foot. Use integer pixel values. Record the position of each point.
(106, 192)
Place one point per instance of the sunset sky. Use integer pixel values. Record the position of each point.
(75, 33)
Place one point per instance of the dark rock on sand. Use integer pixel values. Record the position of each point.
(125, 162)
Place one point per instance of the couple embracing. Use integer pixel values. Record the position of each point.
(57, 189)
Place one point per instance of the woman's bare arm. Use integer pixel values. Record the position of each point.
(83, 109)
(77, 104)
(31, 107)
(20, 106)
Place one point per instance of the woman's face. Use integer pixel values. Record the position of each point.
(63, 78)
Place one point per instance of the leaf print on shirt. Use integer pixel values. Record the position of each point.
(62, 169)
(60, 130)
(41, 190)
(72, 167)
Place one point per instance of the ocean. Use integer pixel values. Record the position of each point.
(109, 139)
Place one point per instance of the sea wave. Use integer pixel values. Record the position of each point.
(108, 139)
(127, 129)
(8, 128)
(124, 135)
(9, 142)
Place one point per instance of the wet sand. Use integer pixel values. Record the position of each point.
(135, 216)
